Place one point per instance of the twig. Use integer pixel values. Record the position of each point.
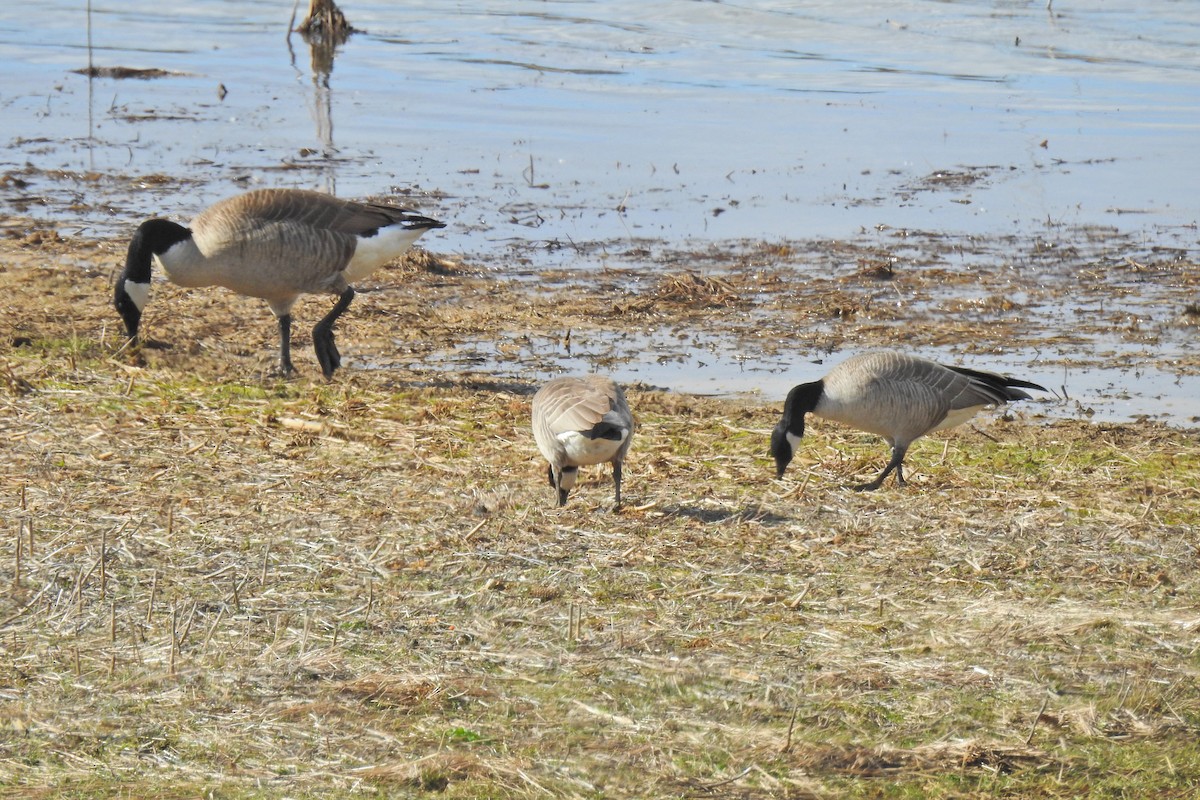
(153, 594)
(174, 642)
(475, 530)
(187, 628)
(112, 635)
(983, 434)
(262, 578)
(727, 781)
(17, 557)
(211, 628)
(292, 22)
(103, 567)
(1036, 720)
(787, 745)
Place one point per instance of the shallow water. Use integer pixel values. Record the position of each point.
(529, 124)
(1133, 388)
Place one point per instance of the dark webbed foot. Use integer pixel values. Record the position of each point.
(327, 353)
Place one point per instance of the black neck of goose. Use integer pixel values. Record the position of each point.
(801, 400)
(154, 236)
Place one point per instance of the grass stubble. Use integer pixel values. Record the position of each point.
(223, 584)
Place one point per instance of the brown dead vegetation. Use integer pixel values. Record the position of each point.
(223, 583)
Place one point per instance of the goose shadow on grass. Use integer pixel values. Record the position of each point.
(751, 513)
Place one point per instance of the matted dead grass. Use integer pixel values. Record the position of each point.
(222, 583)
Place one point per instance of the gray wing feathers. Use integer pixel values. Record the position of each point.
(312, 210)
(903, 397)
(918, 378)
(270, 224)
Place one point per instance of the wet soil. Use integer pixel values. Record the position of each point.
(1064, 305)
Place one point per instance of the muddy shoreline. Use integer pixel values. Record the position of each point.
(1108, 319)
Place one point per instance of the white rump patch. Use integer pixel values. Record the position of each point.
(583, 451)
(371, 252)
(139, 293)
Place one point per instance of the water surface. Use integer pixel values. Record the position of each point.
(531, 125)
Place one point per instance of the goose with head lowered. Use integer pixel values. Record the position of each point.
(578, 421)
(898, 396)
(276, 244)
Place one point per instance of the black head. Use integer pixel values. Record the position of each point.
(788, 432)
(129, 311)
(781, 445)
(154, 236)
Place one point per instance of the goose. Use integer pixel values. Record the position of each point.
(579, 421)
(898, 396)
(276, 244)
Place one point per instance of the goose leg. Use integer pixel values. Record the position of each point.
(896, 463)
(560, 494)
(285, 345)
(327, 352)
(563, 493)
(617, 485)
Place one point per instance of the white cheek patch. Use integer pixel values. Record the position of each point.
(139, 293)
(793, 440)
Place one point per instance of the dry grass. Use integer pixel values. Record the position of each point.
(224, 584)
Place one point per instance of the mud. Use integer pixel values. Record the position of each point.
(1109, 321)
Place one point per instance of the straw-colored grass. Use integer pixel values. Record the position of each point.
(223, 584)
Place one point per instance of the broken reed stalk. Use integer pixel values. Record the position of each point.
(153, 595)
(187, 627)
(574, 622)
(1036, 719)
(326, 19)
(79, 590)
(787, 744)
(262, 579)
(174, 642)
(211, 629)
(103, 568)
(17, 555)
(112, 637)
